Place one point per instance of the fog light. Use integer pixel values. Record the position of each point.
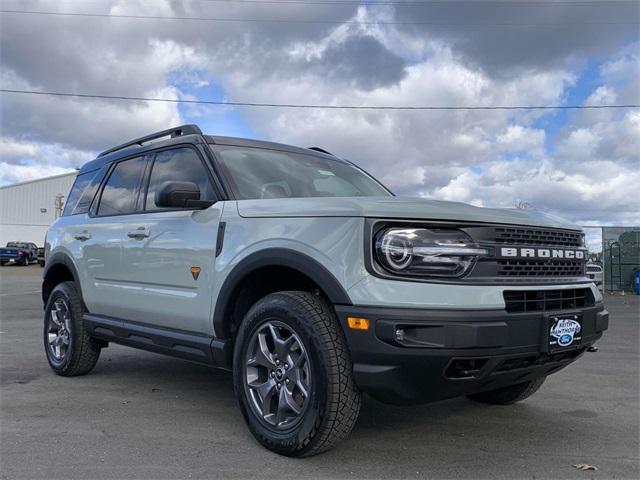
(357, 323)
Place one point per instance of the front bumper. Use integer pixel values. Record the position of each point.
(417, 355)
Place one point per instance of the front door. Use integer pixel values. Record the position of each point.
(168, 255)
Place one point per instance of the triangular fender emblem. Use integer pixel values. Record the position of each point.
(195, 272)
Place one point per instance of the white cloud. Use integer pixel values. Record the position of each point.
(486, 158)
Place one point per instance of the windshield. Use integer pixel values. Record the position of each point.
(259, 173)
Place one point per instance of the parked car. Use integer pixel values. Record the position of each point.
(311, 281)
(22, 253)
(596, 274)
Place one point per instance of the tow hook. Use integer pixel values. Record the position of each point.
(592, 349)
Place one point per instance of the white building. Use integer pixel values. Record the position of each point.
(28, 208)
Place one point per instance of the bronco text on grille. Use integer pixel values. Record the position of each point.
(529, 255)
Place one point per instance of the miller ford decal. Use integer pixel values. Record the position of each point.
(541, 253)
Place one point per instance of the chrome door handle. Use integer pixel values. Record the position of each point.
(82, 236)
(139, 233)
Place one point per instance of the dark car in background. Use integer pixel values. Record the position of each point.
(22, 253)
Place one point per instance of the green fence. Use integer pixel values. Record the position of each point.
(620, 257)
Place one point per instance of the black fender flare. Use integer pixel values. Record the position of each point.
(60, 258)
(277, 257)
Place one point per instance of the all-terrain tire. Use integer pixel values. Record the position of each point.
(509, 395)
(334, 401)
(83, 352)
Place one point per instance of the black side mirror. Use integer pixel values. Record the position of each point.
(180, 195)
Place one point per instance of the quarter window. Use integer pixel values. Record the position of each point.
(79, 185)
(180, 165)
(119, 193)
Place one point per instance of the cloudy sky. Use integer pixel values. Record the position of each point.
(581, 164)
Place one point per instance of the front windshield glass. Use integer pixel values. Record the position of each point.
(260, 173)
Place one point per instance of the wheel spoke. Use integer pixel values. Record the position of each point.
(302, 388)
(54, 317)
(265, 391)
(291, 402)
(52, 338)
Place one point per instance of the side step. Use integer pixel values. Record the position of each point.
(177, 343)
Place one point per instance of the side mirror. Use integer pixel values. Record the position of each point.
(180, 195)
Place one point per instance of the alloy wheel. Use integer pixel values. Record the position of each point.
(58, 329)
(277, 375)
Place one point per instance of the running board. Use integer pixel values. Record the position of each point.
(177, 343)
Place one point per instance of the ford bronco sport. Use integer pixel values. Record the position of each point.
(311, 281)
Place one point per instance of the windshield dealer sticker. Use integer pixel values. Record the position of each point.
(565, 331)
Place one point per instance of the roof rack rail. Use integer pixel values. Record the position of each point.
(172, 132)
(321, 150)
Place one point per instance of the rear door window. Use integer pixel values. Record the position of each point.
(120, 193)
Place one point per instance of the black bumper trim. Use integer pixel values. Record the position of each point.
(416, 355)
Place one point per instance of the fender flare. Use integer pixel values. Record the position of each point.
(60, 258)
(277, 257)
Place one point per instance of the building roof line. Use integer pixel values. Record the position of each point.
(72, 172)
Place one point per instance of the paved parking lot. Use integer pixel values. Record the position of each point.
(141, 415)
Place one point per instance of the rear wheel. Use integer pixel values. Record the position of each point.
(509, 395)
(293, 375)
(69, 348)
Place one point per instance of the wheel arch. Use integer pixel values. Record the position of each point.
(307, 273)
(58, 268)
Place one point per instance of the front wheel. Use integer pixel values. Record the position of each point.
(509, 395)
(293, 375)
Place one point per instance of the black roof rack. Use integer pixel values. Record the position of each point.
(321, 150)
(172, 132)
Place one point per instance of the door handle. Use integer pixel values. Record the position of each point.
(139, 233)
(82, 236)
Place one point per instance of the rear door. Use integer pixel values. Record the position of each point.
(169, 254)
(100, 237)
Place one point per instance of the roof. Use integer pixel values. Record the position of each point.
(186, 134)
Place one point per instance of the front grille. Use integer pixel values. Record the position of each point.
(521, 301)
(540, 268)
(534, 236)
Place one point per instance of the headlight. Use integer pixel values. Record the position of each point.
(426, 252)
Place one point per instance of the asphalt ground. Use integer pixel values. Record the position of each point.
(142, 415)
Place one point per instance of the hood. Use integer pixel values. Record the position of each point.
(395, 207)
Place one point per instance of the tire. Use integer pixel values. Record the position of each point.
(2, 264)
(509, 395)
(41, 262)
(81, 352)
(330, 409)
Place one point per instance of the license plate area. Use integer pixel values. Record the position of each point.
(563, 332)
